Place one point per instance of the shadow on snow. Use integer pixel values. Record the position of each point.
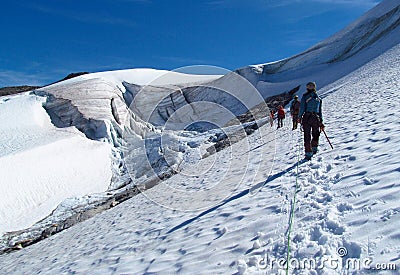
(253, 190)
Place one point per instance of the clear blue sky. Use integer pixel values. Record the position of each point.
(44, 40)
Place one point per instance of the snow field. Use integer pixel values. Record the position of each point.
(348, 195)
(229, 213)
(57, 163)
(348, 198)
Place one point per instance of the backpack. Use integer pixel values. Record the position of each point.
(311, 102)
(295, 108)
(281, 113)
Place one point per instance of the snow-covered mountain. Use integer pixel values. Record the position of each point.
(368, 37)
(220, 199)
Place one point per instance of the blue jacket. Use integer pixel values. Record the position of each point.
(311, 102)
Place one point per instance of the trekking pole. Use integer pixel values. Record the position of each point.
(327, 138)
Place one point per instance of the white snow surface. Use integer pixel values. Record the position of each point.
(42, 165)
(142, 76)
(232, 217)
(340, 54)
(228, 213)
(61, 165)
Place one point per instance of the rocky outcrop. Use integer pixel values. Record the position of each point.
(17, 89)
(26, 88)
(72, 75)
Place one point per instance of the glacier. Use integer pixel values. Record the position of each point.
(184, 196)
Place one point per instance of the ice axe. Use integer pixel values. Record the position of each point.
(323, 130)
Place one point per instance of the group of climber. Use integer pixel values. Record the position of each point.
(307, 112)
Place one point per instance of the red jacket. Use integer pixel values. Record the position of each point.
(281, 113)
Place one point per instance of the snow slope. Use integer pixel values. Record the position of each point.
(96, 103)
(42, 165)
(347, 198)
(227, 212)
(371, 35)
(142, 76)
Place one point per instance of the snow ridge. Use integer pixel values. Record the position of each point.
(368, 37)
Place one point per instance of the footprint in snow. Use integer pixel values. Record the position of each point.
(352, 158)
(324, 198)
(328, 168)
(369, 181)
(333, 227)
(345, 157)
(389, 213)
(344, 207)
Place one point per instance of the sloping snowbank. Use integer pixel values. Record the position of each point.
(142, 76)
(368, 37)
(78, 157)
(42, 165)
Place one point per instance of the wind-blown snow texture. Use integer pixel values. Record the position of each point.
(229, 212)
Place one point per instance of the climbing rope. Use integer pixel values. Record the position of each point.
(292, 208)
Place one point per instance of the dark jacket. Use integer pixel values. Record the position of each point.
(295, 107)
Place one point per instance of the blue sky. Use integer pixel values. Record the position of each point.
(44, 40)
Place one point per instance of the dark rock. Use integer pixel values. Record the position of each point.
(17, 89)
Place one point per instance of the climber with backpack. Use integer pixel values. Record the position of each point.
(281, 116)
(310, 117)
(294, 111)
